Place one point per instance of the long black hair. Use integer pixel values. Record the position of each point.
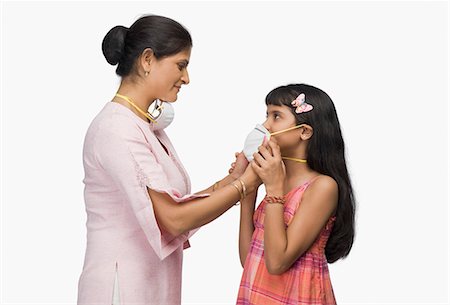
(164, 36)
(326, 155)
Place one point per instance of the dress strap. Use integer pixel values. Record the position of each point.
(312, 179)
(304, 186)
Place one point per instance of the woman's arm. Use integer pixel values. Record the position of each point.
(219, 184)
(236, 170)
(246, 226)
(282, 247)
(178, 218)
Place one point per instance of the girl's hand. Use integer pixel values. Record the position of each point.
(238, 167)
(269, 166)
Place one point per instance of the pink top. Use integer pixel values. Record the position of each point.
(122, 156)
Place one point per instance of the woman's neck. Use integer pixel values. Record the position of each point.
(137, 96)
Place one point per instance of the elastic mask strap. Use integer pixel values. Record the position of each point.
(289, 129)
(147, 115)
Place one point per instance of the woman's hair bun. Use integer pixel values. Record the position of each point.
(113, 44)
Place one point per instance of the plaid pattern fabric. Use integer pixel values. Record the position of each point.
(306, 282)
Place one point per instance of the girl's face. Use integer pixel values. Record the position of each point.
(168, 74)
(280, 118)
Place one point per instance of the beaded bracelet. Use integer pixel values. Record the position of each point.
(275, 199)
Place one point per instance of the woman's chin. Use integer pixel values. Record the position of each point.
(169, 99)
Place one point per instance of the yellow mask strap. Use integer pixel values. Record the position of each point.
(284, 130)
(294, 159)
(136, 107)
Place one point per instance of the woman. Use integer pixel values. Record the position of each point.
(139, 208)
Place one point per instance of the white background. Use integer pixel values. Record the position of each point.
(385, 65)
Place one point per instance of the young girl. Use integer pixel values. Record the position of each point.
(307, 217)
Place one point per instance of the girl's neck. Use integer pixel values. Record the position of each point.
(296, 172)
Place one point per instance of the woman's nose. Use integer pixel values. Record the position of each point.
(185, 77)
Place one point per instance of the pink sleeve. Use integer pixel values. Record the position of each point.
(127, 157)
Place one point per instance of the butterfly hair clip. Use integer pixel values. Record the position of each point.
(301, 105)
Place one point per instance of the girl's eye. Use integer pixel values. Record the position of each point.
(276, 116)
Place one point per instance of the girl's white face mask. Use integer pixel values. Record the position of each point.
(256, 138)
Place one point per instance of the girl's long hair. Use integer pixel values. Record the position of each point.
(326, 155)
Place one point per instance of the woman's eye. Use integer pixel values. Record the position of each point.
(276, 116)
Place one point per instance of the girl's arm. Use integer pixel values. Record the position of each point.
(282, 247)
(246, 227)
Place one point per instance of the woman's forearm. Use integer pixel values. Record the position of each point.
(178, 218)
(219, 184)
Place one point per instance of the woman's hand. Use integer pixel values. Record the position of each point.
(251, 179)
(269, 166)
(238, 167)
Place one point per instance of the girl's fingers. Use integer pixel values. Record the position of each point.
(275, 150)
(259, 159)
(264, 152)
(255, 167)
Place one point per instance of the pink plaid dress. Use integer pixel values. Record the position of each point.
(308, 279)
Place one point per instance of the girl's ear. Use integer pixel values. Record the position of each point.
(306, 132)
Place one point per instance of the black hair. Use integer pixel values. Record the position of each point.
(164, 36)
(326, 155)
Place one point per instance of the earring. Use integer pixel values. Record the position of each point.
(146, 73)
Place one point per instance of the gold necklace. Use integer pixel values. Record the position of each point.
(147, 115)
(295, 159)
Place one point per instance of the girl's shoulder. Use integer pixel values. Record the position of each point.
(322, 187)
(323, 182)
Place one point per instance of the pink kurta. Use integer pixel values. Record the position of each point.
(122, 156)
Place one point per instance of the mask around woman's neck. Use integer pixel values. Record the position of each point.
(163, 114)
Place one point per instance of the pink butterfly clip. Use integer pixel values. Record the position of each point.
(301, 105)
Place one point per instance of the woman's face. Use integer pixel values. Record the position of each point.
(280, 118)
(168, 74)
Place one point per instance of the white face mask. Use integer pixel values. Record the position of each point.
(256, 138)
(162, 114)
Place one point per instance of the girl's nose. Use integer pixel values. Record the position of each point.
(266, 125)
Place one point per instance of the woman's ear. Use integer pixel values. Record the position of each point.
(146, 59)
(306, 132)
